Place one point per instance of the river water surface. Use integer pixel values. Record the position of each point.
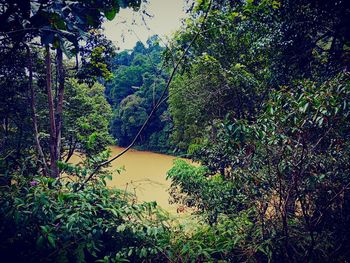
(144, 175)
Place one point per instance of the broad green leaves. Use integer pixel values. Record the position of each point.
(58, 22)
(64, 224)
(296, 149)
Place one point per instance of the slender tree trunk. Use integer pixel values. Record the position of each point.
(59, 113)
(33, 107)
(53, 132)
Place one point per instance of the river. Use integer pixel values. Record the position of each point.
(144, 175)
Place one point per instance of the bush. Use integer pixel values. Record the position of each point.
(48, 220)
(289, 168)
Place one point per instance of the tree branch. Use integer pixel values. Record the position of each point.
(156, 106)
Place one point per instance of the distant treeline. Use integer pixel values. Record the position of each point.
(137, 84)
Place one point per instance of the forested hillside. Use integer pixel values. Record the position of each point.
(255, 92)
(139, 78)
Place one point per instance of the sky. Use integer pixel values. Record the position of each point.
(128, 27)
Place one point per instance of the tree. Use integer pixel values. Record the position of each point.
(227, 71)
(86, 120)
(288, 170)
(60, 25)
(273, 168)
(96, 55)
(136, 86)
(86, 115)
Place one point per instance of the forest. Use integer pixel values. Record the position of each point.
(256, 93)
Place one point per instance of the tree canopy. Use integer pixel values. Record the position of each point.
(255, 92)
(137, 84)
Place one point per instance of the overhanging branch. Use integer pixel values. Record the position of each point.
(156, 106)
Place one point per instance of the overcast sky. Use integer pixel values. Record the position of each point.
(128, 26)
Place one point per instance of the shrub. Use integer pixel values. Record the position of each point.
(48, 220)
(289, 168)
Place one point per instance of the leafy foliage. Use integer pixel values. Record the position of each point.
(289, 167)
(227, 72)
(274, 161)
(261, 103)
(60, 23)
(137, 84)
(86, 120)
(96, 55)
(45, 219)
(86, 116)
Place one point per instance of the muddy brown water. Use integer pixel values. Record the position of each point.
(144, 175)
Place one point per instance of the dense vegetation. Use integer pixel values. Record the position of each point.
(137, 84)
(259, 97)
(263, 105)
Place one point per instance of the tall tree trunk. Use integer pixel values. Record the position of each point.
(53, 132)
(59, 113)
(33, 107)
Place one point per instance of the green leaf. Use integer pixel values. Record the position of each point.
(68, 48)
(111, 13)
(59, 216)
(60, 24)
(39, 241)
(51, 240)
(130, 252)
(270, 109)
(44, 229)
(121, 228)
(304, 107)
